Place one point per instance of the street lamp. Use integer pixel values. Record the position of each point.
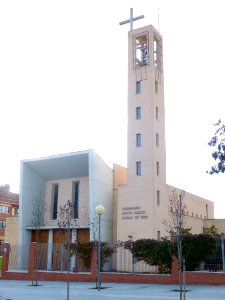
(99, 211)
(133, 261)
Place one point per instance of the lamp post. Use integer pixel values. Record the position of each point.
(132, 255)
(99, 211)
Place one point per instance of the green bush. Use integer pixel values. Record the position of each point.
(195, 248)
(152, 252)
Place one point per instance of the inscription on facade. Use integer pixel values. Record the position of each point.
(133, 213)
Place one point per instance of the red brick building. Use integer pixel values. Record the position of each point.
(9, 206)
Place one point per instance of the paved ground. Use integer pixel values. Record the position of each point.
(22, 290)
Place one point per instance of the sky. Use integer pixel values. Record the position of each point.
(63, 83)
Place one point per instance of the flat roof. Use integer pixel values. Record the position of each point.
(62, 166)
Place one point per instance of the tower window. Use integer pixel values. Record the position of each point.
(158, 198)
(157, 53)
(157, 167)
(157, 113)
(156, 86)
(76, 186)
(158, 235)
(138, 87)
(138, 168)
(138, 113)
(141, 50)
(157, 140)
(55, 195)
(138, 140)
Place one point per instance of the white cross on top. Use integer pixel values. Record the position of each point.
(132, 19)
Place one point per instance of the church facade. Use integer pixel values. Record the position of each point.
(84, 179)
(136, 198)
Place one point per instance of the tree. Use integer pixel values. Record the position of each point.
(107, 248)
(84, 250)
(66, 222)
(218, 142)
(176, 228)
(196, 247)
(39, 207)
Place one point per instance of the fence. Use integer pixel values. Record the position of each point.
(18, 257)
(200, 277)
(215, 262)
(56, 258)
(48, 257)
(11, 265)
(123, 261)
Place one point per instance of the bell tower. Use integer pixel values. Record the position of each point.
(142, 202)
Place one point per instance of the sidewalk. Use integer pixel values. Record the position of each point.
(22, 290)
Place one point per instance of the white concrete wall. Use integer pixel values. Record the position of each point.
(195, 224)
(218, 223)
(101, 192)
(31, 184)
(196, 207)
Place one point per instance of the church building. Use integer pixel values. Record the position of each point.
(136, 198)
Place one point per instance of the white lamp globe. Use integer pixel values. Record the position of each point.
(99, 210)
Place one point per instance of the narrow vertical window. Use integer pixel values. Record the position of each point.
(157, 113)
(138, 140)
(138, 87)
(138, 113)
(76, 187)
(157, 140)
(158, 198)
(157, 53)
(157, 167)
(55, 194)
(138, 168)
(156, 86)
(158, 235)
